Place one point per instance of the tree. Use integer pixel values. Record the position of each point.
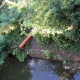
(63, 17)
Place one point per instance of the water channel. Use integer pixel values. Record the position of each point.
(35, 69)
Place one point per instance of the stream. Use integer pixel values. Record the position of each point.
(35, 69)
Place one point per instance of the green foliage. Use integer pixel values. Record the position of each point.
(58, 20)
(64, 18)
(3, 57)
(14, 40)
(3, 47)
(43, 36)
(19, 54)
(8, 18)
(59, 13)
(47, 53)
(10, 15)
(3, 42)
(42, 39)
(66, 61)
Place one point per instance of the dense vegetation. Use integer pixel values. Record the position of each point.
(62, 19)
(55, 21)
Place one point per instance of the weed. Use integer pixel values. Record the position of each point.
(47, 53)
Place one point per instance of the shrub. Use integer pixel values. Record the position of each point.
(3, 42)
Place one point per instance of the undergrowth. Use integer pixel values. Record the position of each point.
(57, 24)
(14, 40)
(47, 53)
(49, 39)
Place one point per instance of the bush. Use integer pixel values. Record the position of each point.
(11, 14)
(57, 19)
(3, 42)
(63, 17)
